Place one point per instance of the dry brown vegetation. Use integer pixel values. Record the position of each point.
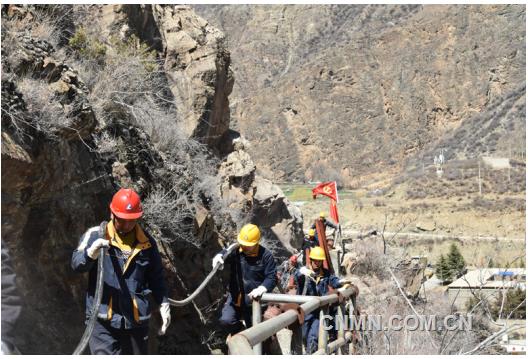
(385, 294)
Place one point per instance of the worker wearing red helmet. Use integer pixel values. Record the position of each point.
(132, 270)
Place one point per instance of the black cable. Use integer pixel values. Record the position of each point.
(95, 309)
(180, 303)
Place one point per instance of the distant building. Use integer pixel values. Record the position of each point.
(486, 281)
(497, 163)
(514, 346)
(517, 347)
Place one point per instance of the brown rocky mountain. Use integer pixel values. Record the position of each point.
(88, 107)
(356, 91)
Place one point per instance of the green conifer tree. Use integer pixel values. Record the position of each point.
(443, 271)
(455, 262)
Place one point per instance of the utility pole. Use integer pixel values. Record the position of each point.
(479, 180)
(509, 162)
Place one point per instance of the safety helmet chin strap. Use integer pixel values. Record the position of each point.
(114, 223)
(113, 216)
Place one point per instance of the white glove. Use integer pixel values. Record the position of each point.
(93, 251)
(345, 281)
(218, 260)
(257, 292)
(306, 271)
(165, 317)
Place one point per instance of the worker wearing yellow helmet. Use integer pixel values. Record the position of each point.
(252, 273)
(309, 242)
(326, 223)
(315, 280)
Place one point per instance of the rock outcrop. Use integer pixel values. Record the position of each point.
(279, 218)
(196, 63)
(270, 209)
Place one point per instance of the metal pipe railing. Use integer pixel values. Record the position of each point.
(286, 298)
(245, 341)
(336, 344)
(341, 329)
(257, 318)
(323, 334)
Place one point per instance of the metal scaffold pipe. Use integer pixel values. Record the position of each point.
(323, 334)
(257, 317)
(266, 329)
(333, 346)
(245, 341)
(286, 298)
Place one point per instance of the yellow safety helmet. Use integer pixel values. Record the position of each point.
(322, 214)
(249, 235)
(311, 232)
(317, 253)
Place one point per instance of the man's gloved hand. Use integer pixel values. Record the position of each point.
(345, 281)
(165, 317)
(257, 292)
(306, 271)
(93, 250)
(218, 260)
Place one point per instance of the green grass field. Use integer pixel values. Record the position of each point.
(296, 192)
(303, 192)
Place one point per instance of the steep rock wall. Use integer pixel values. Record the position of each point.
(57, 180)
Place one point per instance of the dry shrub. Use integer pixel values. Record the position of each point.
(383, 298)
(192, 179)
(380, 295)
(41, 22)
(129, 85)
(105, 143)
(43, 106)
(171, 213)
(367, 258)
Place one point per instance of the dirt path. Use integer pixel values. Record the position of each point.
(431, 236)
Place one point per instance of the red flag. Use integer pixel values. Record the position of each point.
(328, 189)
(333, 211)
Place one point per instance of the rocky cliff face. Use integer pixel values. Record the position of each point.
(354, 91)
(70, 139)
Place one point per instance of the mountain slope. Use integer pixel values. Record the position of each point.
(352, 91)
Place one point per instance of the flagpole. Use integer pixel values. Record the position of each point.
(337, 193)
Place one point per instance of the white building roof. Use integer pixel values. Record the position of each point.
(484, 278)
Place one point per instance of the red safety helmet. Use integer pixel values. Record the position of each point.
(126, 204)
